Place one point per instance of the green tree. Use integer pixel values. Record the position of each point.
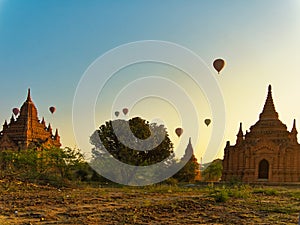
(62, 161)
(141, 129)
(52, 165)
(214, 171)
(109, 142)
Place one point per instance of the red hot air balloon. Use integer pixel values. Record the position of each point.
(125, 111)
(15, 111)
(117, 113)
(179, 131)
(52, 109)
(219, 64)
(207, 121)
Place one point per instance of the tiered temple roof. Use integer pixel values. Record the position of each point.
(269, 126)
(26, 131)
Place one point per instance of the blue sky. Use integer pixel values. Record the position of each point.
(48, 45)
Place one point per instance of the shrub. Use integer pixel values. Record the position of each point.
(221, 195)
(213, 172)
(242, 191)
(54, 165)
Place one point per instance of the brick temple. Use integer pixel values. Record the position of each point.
(27, 131)
(268, 153)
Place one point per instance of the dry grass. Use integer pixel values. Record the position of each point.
(148, 205)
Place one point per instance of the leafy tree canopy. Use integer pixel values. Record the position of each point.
(120, 146)
(214, 171)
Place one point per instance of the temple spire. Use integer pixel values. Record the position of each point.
(43, 122)
(189, 146)
(188, 151)
(294, 130)
(240, 135)
(12, 119)
(56, 132)
(269, 111)
(293, 133)
(56, 136)
(49, 129)
(5, 125)
(28, 96)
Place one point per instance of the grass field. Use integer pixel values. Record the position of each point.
(22, 203)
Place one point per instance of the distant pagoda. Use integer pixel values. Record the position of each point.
(26, 131)
(190, 157)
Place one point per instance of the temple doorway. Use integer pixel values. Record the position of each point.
(263, 169)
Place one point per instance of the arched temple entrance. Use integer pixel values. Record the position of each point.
(263, 169)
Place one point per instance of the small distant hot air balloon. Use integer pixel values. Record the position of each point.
(15, 111)
(125, 111)
(179, 131)
(52, 109)
(117, 113)
(219, 64)
(207, 121)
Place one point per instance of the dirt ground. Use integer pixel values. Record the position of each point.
(22, 203)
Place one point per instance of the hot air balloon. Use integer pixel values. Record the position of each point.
(15, 111)
(219, 64)
(179, 131)
(125, 111)
(117, 113)
(52, 109)
(207, 121)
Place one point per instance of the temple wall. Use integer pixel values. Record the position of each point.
(282, 167)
